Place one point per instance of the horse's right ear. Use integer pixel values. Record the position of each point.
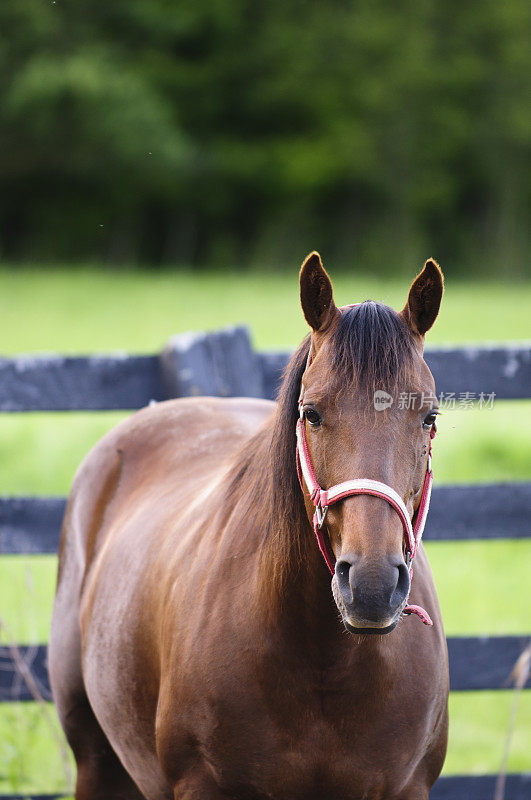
(317, 299)
(424, 300)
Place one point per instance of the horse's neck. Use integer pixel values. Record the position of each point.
(291, 585)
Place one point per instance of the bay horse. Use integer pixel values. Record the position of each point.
(197, 649)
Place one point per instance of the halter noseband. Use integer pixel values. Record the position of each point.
(322, 499)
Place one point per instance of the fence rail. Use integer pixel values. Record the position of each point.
(489, 511)
(224, 364)
(477, 663)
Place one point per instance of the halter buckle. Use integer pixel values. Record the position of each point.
(320, 513)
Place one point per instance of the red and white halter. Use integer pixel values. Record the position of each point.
(323, 498)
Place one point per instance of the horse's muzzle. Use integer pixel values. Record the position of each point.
(371, 595)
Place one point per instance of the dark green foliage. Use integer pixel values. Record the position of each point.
(251, 131)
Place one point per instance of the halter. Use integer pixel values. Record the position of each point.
(322, 499)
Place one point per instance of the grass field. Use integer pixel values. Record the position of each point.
(86, 311)
(483, 587)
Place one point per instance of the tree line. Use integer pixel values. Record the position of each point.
(246, 132)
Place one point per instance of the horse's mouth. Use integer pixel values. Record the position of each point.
(371, 631)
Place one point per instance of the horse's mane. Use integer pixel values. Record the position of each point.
(371, 348)
(264, 477)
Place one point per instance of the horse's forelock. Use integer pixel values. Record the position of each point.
(372, 348)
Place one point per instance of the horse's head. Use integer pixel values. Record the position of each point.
(368, 409)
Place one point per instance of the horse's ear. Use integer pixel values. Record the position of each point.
(424, 299)
(316, 293)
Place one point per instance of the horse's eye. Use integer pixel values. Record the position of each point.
(313, 417)
(429, 420)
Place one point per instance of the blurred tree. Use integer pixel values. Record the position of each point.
(242, 132)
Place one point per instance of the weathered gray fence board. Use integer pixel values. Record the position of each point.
(30, 525)
(17, 663)
(476, 663)
(32, 796)
(488, 511)
(506, 371)
(503, 370)
(493, 511)
(221, 363)
(483, 662)
(273, 365)
(63, 383)
(480, 787)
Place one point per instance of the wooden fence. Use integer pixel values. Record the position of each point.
(224, 364)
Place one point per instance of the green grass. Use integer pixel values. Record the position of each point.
(33, 754)
(39, 453)
(483, 587)
(86, 311)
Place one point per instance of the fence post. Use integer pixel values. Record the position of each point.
(219, 364)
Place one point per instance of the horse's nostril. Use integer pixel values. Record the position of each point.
(402, 585)
(343, 570)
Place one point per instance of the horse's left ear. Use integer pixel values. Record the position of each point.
(317, 298)
(424, 300)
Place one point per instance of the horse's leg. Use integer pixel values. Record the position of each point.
(419, 787)
(100, 774)
(430, 766)
(197, 785)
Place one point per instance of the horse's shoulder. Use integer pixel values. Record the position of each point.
(181, 419)
(156, 438)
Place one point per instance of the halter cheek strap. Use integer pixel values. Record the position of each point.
(323, 498)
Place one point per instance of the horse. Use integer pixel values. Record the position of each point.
(201, 646)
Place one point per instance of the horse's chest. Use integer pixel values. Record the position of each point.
(279, 752)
